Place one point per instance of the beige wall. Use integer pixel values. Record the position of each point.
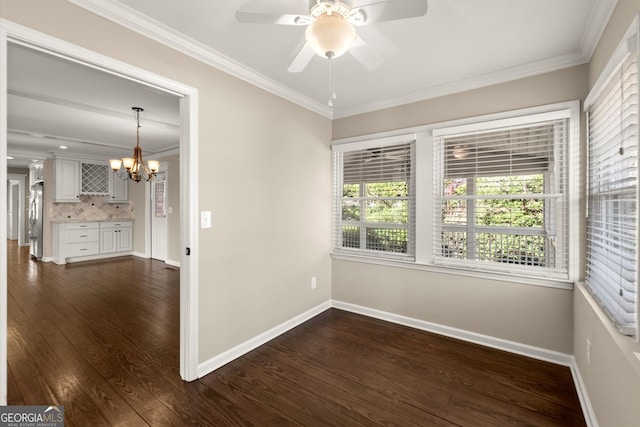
(612, 378)
(138, 198)
(174, 247)
(263, 172)
(532, 315)
(564, 85)
(618, 25)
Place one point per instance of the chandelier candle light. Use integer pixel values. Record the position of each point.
(134, 167)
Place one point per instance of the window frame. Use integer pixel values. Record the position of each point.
(559, 229)
(603, 291)
(424, 203)
(338, 198)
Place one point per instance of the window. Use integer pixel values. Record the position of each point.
(375, 198)
(160, 198)
(493, 196)
(612, 192)
(500, 197)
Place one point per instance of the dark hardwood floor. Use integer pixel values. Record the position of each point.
(107, 349)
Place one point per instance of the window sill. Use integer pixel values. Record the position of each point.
(504, 277)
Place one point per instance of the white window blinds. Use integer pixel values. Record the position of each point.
(500, 198)
(374, 198)
(612, 223)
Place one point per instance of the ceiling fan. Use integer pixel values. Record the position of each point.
(331, 27)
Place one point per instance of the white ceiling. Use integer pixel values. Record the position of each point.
(458, 45)
(54, 102)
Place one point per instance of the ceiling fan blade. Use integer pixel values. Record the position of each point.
(270, 18)
(391, 10)
(302, 59)
(365, 55)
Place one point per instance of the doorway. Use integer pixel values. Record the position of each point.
(11, 33)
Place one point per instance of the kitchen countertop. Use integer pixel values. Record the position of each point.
(70, 221)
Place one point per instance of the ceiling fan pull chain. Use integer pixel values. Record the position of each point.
(332, 90)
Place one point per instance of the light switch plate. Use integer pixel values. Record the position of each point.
(205, 219)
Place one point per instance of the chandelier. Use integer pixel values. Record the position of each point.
(133, 168)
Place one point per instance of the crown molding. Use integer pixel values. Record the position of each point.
(477, 82)
(64, 102)
(598, 20)
(131, 19)
(26, 154)
(160, 155)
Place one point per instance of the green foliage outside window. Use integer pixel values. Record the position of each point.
(384, 204)
(523, 213)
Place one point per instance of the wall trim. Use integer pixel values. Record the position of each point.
(461, 334)
(583, 396)
(172, 263)
(222, 359)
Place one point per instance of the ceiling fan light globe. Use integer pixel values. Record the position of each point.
(460, 152)
(330, 35)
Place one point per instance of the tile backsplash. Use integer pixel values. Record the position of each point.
(91, 208)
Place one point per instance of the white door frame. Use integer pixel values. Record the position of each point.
(11, 32)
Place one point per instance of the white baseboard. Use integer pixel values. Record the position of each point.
(140, 254)
(222, 359)
(461, 334)
(172, 263)
(583, 396)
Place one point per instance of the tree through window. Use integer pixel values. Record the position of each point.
(375, 200)
(501, 198)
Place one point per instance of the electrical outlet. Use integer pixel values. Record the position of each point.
(314, 282)
(588, 352)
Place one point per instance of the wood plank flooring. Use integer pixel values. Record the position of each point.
(107, 350)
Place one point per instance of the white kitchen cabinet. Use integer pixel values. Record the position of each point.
(118, 189)
(94, 179)
(116, 236)
(67, 181)
(83, 241)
